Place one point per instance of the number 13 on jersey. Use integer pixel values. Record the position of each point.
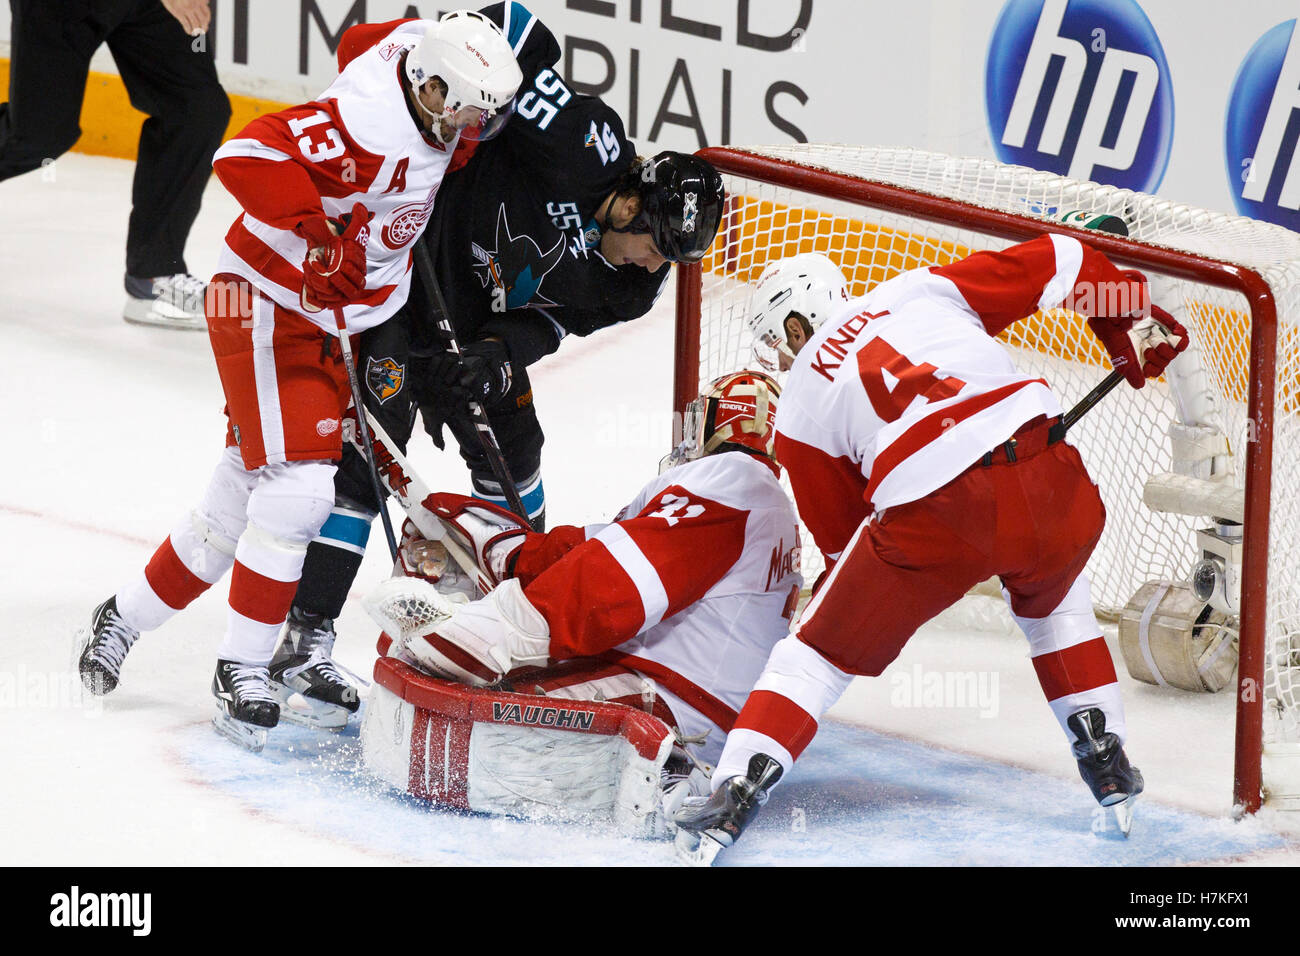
(310, 143)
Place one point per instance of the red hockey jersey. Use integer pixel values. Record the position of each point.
(357, 143)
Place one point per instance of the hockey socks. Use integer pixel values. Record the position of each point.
(333, 559)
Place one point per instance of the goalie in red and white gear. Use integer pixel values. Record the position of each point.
(672, 608)
(924, 463)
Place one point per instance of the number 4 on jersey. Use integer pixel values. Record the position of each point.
(910, 381)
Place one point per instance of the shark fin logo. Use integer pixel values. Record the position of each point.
(515, 267)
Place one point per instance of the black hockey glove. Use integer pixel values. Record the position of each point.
(483, 374)
(434, 419)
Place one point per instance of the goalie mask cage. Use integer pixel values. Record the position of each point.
(1234, 283)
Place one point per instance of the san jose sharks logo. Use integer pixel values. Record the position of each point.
(384, 377)
(515, 268)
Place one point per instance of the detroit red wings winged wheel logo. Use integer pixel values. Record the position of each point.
(405, 222)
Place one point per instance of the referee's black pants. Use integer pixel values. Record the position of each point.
(168, 75)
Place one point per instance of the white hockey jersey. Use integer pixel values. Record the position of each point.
(904, 388)
(694, 583)
(357, 143)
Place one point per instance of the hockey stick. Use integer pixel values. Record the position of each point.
(486, 436)
(410, 493)
(1086, 403)
(367, 445)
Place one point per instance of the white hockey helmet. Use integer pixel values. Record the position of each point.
(737, 410)
(469, 53)
(809, 284)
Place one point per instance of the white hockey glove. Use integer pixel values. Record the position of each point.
(476, 643)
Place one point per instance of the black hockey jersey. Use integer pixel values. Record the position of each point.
(514, 233)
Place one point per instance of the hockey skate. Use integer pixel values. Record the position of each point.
(174, 302)
(246, 708)
(311, 689)
(104, 647)
(708, 825)
(1104, 767)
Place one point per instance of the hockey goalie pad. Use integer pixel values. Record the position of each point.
(522, 755)
(1170, 638)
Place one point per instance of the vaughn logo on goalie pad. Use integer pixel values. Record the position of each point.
(542, 716)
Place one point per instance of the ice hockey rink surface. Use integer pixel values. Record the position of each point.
(951, 757)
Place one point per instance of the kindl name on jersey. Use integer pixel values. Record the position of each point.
(542, 716)
(836, 345)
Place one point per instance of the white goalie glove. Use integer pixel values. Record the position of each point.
(476, 643)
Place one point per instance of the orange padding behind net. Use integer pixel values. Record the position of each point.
(758, 231)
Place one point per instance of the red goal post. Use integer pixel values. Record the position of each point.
(1237, 282)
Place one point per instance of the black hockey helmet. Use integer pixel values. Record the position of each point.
(681, 205)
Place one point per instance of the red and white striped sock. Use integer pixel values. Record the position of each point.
(184, 566)
(1080, 676)
(262, 587)
(780, 716)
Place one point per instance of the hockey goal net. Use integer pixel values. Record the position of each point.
(1220, 440)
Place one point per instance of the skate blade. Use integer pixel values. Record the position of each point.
(305, 712)
(1124, 814)
(248, 736)
(162, 315)
(696, 849)
(80, 638)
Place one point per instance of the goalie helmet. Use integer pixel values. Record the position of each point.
(681, 205)
(809, 284)
(468, 52)
(737, 410)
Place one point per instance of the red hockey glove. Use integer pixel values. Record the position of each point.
(334, 271)
(1140, 347)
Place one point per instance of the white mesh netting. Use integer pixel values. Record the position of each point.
(1126, 439)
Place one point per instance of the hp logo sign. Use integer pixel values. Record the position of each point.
(1081, 88)
(1263, 124)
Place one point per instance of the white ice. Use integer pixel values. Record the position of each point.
(112, 432)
